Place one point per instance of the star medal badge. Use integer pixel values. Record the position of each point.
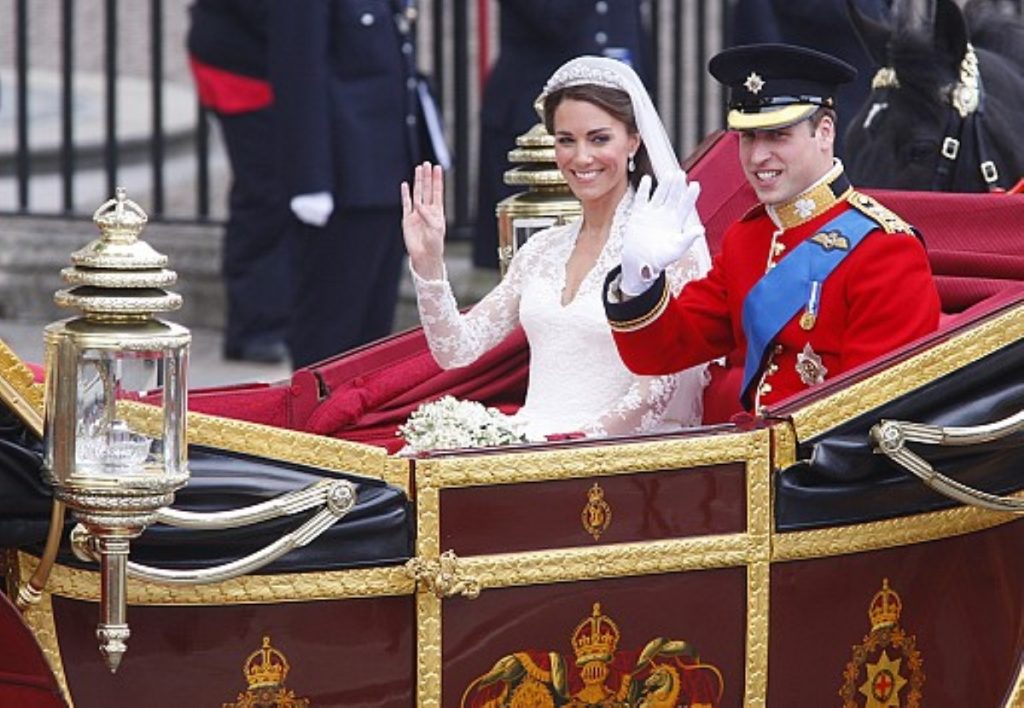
(809, 366)
(754, 83)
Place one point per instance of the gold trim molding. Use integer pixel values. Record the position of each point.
(920, 369)
(613, 458)
(612, 561)
(78, 584)
(890, 533)
(272, 443)
(18, 389)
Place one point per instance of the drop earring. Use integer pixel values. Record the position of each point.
(631, 166)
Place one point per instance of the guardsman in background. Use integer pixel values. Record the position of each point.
(537, 37)
(343, 74)
(811, 282)
(227, 45)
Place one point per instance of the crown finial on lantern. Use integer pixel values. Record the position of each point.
(884, 610)
(120, 219)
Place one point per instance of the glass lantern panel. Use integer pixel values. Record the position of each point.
(105, 442)
(175, 391)
(525, 227)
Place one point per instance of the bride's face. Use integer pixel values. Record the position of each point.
(592, 148)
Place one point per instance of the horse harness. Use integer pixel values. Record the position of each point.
(967, 100)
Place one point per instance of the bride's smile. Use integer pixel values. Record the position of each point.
(592, 149)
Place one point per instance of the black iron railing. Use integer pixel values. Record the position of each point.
(450, 34)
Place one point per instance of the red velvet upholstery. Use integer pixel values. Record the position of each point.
(973, 242)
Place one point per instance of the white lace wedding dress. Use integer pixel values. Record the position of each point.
(577, 382)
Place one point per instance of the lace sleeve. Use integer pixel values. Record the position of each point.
(458, 339)
(641, 409)
(660, 401)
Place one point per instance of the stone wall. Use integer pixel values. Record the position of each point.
(34, 250)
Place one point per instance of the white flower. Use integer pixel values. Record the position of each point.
(448, 424)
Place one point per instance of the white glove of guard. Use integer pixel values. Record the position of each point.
(313, 209)
(660, 230)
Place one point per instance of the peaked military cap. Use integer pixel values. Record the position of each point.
(777, 85)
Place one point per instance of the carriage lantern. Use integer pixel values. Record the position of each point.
(547, 200)
(113, 474)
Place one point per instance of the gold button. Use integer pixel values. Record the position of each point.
(766, 388)
(778, 247)
(778, 349)
(772, 369)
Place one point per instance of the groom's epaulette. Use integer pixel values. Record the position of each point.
(753, 212)
(887, 220)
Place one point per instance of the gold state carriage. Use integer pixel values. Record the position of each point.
(779, 560)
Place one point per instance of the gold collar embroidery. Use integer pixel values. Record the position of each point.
(821, 197)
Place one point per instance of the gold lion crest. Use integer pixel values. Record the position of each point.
(886, 670)
(665, 674)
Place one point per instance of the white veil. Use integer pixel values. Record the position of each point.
(603, 71)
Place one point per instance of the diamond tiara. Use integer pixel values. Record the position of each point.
(576, 75)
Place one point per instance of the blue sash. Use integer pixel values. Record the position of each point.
(794, 283)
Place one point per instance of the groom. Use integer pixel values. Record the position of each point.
(811, 282)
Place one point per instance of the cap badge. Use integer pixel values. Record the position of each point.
(754, 83)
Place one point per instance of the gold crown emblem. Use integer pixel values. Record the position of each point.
(595, 638)
(265, 666)
(884, 610)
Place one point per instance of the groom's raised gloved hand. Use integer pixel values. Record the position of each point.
(660, 230)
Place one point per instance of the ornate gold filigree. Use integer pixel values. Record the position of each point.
(428, 650)
(576, 462)
(19, 391)
(39, 618)
(784, 445)
(565, 565)
(884, 683)
(902, 531)
(1016, 698)
(931, 364)
(759, 530)
(597, 513)
(251, 589)
(443, 576)
(276, 444)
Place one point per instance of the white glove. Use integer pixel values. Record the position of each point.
(313, 209)
(661, 229)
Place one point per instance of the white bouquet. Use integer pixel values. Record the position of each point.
(449, 423)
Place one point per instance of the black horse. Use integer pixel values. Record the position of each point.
(945, 109)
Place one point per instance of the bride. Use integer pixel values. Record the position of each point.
(609, 143)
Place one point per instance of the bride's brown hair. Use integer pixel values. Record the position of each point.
(618, 105)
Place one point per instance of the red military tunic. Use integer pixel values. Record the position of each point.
(878, 298)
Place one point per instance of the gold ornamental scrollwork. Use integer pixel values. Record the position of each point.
(886, 668)
(665, 673)
(597, 513)
(442, 576)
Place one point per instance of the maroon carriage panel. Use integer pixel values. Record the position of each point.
(356, 652)
(706, 609)
(955, 616)
(641, 507)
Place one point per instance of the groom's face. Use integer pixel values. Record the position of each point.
(592, 149)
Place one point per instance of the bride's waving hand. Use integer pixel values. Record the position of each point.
(423, 220)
